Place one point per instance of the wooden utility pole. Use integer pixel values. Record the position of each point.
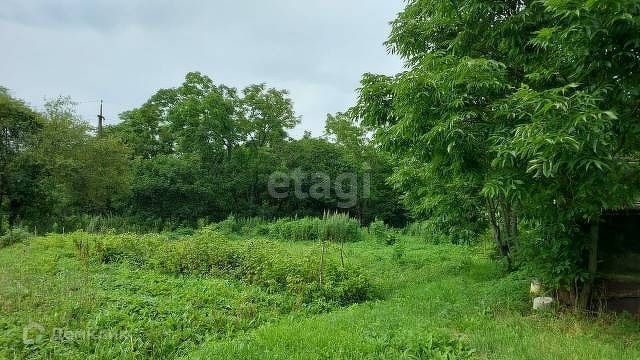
(100, 120)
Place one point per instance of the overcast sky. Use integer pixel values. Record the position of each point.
(122, 51)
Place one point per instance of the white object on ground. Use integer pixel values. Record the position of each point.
(540, 303)
(536, 287)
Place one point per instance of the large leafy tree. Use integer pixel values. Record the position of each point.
(19, 126)
(84, 172)
(439, 113)
(197, 117)
(517, 111)
(576, 134)
(376, 197)
(210, 139)
(54, 167)
(268, 114)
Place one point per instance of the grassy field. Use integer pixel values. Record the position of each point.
(82, 296)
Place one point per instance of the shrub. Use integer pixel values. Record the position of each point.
(398, 253)
(337, 228)
(267, 264)
(428, 231)
(180, 232)
(129, 248)
(340, 228)
(391, 238)
(13, 236)
(381, 233)
(228, 226)
(253, 226)
(305, 229)
(417, 228)
(378, 230)
(115, 224)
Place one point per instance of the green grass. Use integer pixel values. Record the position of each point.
(154, 315)
(434, 302)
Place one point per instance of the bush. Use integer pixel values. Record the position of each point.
(14, 236)
(378, 230)
(180, 232)
(340, 228)
(428, 231)
(253, 226)
(381, 233)
(337, 228)
(228, 226)
(305, 229)
(264, 263)
(111, 248)
(115, 224)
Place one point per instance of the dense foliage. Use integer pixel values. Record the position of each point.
(523, 115)
(198, 152)
(196, 227)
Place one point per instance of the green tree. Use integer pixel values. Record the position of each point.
(84, 173)
(19, 126)
(268, 114)
(377, 197)
(228, 140)
(540, 118)
(171, 188)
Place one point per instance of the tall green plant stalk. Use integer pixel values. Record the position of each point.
(321, 279)
(342, 253)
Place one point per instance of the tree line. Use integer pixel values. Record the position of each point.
(199, 151)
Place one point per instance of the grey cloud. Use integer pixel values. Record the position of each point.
(123, 51)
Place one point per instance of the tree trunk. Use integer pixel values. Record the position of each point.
(506, 223)
(592, 267)
(503, 248)
(515, 233)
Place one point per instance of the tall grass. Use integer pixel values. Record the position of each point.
(295, 229)
(338, 228)
(428, 231)
(114, 224)
(267, 264)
